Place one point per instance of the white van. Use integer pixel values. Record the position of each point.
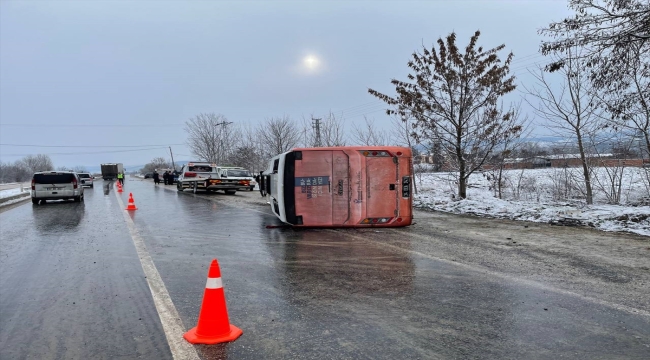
(56, 185)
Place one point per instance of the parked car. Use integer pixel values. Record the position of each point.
(240, 173)
(209, 177)
(148, 175)
(86, 179)
(56, 185)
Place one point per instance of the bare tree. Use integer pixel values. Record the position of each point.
(210, 137)
(40, 162)
(6, 172)
(570, 107)
(243, 156)
(605, 29)
(231, 136)
(332, 131)
(16, 172)
(508, 146)
(80, 169)
(608, 179)
(628, 101)
(23, 169)
(456, 101)
(369, 134)
(249, 153)
(278, 135)
(156, 164)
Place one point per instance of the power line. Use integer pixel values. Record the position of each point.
(90, 125)
(361, 110)
(366, 113)
(352, 108)
(90, 146)
(530, 57)
(94, 152)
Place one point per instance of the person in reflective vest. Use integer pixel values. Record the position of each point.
(120, 178)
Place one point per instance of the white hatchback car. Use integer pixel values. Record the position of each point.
(56, 185)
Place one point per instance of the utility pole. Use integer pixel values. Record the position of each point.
(170, 153)
(317, 127)
(220, 149)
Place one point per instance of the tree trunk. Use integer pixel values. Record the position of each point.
(462, 186)
(462, 181)
(585, 170)
(415, 187)
(499, 180)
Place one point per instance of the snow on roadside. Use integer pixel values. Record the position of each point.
(12, 192)
(13, 201)
(436, 191)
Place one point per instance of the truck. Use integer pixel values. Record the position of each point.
(110, 171)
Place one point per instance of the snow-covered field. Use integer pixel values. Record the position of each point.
(545, 195)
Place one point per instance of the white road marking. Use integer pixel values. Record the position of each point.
(171, 321)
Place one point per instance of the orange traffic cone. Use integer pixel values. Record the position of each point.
(131, 205)
(214, 326)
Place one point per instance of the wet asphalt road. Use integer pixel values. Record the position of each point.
(72, 287)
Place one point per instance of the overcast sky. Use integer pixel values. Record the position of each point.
(130, 73)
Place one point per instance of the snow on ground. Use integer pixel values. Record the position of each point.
(13, 201)
(11, 192)
(544, 195)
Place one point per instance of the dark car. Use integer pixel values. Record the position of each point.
(148, 175)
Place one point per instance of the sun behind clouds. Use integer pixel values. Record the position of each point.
(311, 64)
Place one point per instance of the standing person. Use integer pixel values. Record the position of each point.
(165, 177)
(120, 178)
(172, 177)
(156, 177)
